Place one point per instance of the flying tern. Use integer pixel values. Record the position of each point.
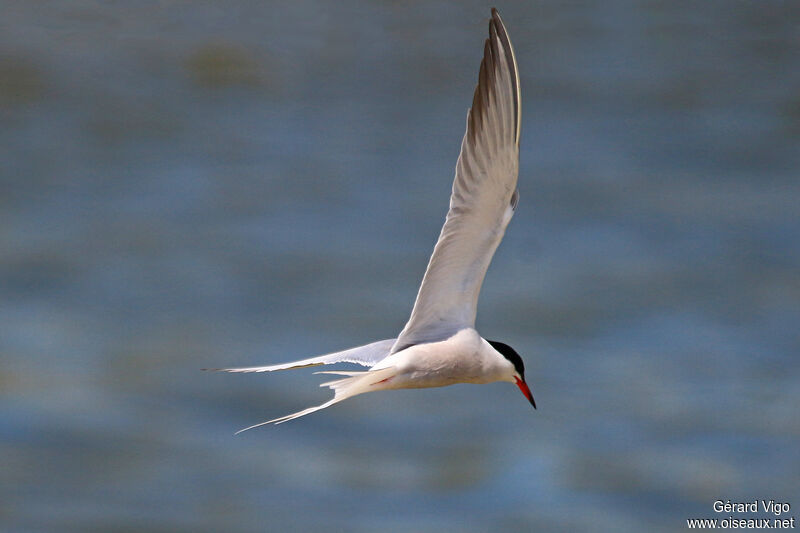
(439, 345)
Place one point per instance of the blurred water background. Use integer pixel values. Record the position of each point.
(203, 184)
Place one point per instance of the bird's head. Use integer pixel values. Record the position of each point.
(518, 374)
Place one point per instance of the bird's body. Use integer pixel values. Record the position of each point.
(466, 357)
(439, 345)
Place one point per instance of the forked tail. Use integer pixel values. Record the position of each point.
(356, 383)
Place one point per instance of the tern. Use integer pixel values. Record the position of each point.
(439, 345)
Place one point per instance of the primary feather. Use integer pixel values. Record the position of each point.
(366, 355)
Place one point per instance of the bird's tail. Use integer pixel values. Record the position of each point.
(355, 383)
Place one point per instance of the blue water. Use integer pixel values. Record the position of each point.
(189, 185)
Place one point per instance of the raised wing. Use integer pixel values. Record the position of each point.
(366, 355)
(483, 200)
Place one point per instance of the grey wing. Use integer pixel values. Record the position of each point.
(482, 202)
(366, 355)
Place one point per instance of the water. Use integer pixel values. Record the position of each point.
(195, 185)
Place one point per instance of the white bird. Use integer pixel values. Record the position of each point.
(439, 345)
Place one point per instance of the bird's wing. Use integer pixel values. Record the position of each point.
(482, 202)
(366, 355)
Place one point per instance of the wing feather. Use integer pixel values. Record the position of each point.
(482, 202)
(366, 355)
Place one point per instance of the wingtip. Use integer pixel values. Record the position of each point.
(274, 421)
(496, 17)
(498, 44)
(499, 27)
